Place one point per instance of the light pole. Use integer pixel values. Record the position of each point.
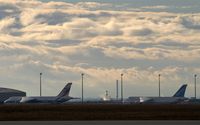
(159, 84)
(82, 86)
(40, 84)
(117, 89)
(122, 88)
(195, 86)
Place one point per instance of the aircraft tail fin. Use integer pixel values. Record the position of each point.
(65, 91)
(181, 91)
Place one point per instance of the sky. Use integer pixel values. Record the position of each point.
(102, 39)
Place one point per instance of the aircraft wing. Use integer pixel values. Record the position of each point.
(28, 100)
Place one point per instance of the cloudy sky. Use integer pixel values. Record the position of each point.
(102, 39)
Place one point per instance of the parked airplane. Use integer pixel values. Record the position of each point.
(14, 99)
(191, 100)
(106, 99)
(60, 98)
(178, 97)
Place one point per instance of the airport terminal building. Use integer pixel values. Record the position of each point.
(5, 93)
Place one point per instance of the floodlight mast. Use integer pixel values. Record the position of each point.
(122, 88)
(159, 85)
(40, 84)
(195, 86)
(82, 86)
(117, 90)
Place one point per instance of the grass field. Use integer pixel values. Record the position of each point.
(99, 112)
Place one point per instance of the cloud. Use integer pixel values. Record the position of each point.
(141, 32)
(152, 53)
(65, 39)
(155, 7)
(5, 24)
(92, 5)
(191, 22)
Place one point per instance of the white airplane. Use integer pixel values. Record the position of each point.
(178, 97)
(60, 98)
(99, 100)
(192, 100)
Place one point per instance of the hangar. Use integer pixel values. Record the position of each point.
(5, 93)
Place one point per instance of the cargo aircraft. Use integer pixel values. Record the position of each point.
(178, 97)
(60, 98)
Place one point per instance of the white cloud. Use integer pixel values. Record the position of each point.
(65, 39)
(91, 5)
(5, 24)
(155, 7)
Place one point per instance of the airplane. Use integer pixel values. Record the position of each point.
(178, 97)
(13, 100)
(60, 98)
(106, 99)
(192, 100)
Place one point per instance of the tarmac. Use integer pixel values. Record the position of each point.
(183, 122)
